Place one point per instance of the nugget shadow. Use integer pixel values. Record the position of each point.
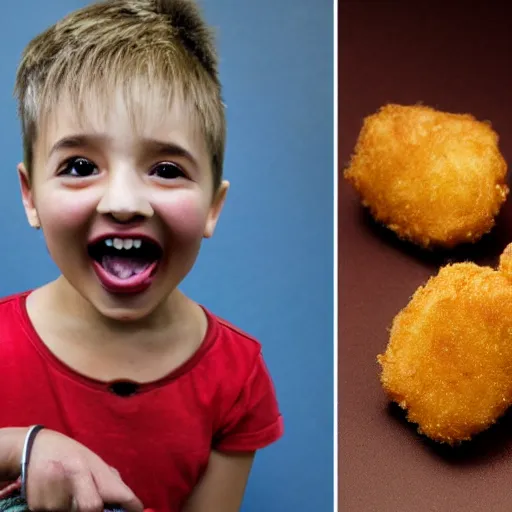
(484, 252)
(485, 448)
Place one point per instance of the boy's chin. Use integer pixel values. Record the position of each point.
(125, 315)
(126, 308)
(120, 307)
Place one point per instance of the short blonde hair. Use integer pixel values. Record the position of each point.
(142, 47)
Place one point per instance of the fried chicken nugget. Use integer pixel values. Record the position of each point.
(434, 178)
(448, 362)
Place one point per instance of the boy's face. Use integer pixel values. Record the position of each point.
(123, 210)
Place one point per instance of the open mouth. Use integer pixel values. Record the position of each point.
(125, 264)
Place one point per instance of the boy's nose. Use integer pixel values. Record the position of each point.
(125, 198)
(126, 217)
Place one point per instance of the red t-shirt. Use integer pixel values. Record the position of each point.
(159, 438)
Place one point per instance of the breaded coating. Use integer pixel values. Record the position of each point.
(449, 358)
(434, 178)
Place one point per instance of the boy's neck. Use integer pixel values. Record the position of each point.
(78, 315)
(106, 350)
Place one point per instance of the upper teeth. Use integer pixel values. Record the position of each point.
(123, 243)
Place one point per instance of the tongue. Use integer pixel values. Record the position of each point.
(124, 268)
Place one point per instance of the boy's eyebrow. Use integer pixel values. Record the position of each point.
(154, 146)
(158, 147)
(71, 142)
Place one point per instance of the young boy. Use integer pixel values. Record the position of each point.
(147, 399)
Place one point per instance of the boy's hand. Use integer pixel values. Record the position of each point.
(64, 475)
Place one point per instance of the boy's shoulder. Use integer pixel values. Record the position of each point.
(231, 343)
(11, 303)
(14, 323)
(13, 298)
(236, 332)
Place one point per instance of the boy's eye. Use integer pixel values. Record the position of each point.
(79, 167)
(167, 171)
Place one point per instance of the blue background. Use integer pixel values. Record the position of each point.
(269, 268)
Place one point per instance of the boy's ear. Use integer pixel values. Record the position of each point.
(215, 209)
(28, 197)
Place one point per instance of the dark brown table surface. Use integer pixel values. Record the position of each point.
(455, 56)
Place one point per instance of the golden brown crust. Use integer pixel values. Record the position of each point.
(434, 178)
(449, 357)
